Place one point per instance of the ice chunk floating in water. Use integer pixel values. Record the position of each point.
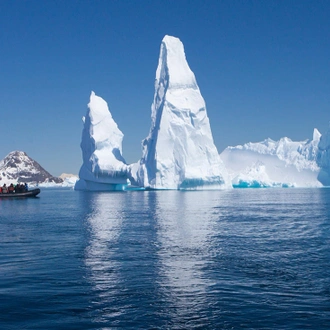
(179, 152)
(269, 163)
(103, 166)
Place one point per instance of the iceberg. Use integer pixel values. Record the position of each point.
(283, 163)
(323, 159)
(104, 167)
(179, 152)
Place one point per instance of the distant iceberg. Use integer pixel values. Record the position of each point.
(269, 163)
(179, 152)
(67, 183)
(104, 167)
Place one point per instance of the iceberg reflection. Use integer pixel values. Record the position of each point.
(104, 224)
(186, 224)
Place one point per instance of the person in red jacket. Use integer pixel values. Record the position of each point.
(11, 189)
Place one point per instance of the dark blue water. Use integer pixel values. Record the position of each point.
(254, 259)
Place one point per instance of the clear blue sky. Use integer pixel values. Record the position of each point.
(263, 68)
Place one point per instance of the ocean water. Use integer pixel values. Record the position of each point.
(239, 259)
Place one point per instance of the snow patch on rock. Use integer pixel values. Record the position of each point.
(18, 167)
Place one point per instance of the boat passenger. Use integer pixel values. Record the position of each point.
(11, 189)
(26, 186)
(4, 189)
(18, 188)
(0, 190)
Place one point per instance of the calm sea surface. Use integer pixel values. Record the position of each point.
(239, 259)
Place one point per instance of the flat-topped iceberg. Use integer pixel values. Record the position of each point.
(179, 152)
(283, 163)
(104, 167)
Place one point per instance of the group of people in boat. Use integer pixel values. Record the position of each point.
(12, 189)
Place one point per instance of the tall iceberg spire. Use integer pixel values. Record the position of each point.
(179, 152)
(103, 166)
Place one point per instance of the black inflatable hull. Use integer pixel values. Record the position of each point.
(29, 193)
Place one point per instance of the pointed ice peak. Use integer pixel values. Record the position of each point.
(179, 152)
(103, 164)
(173, 66)
(98, 109)
(101, 123)
(316, 135)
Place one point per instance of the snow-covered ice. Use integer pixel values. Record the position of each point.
(69, 181)
(179, 152)
(323, 158)
(283, 163)
(104, 167)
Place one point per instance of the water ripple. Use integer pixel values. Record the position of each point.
(254, 259)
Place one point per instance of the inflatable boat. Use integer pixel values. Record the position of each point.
(28, 193)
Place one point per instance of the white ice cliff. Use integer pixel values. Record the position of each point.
(179, 152)
(323, 159)
(103, 166)
(269, 163)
